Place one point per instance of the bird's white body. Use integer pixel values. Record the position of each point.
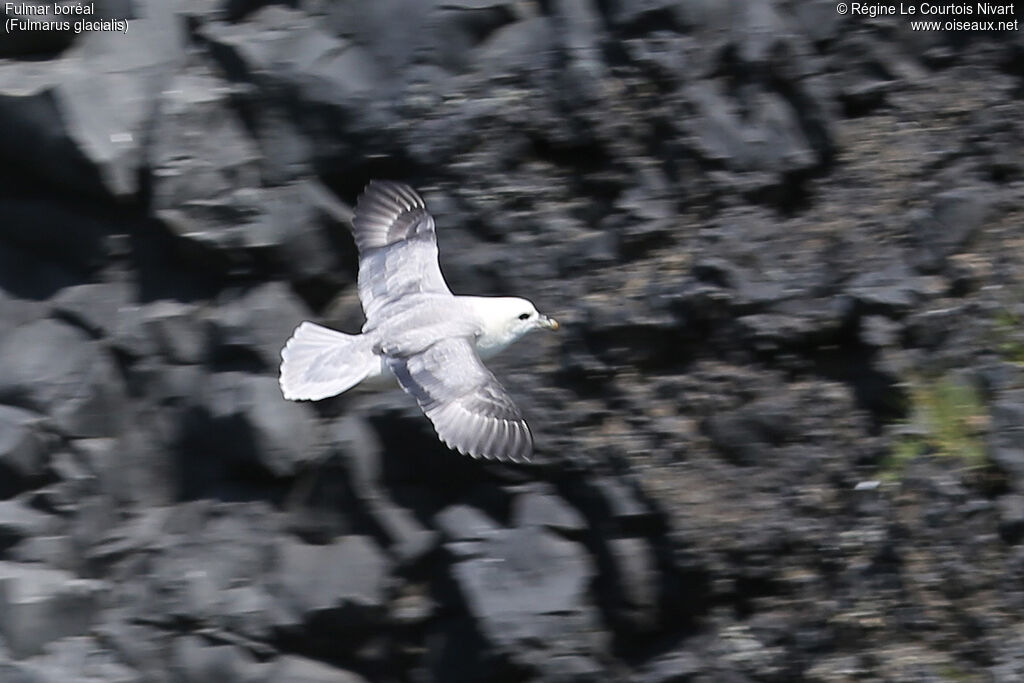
(497, 320)
(418, 332)
(493, 323)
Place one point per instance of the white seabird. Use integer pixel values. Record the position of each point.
(417, 330)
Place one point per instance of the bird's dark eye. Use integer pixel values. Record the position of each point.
(524, 316)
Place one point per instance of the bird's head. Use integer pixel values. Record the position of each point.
(522, 317)
(510, 319)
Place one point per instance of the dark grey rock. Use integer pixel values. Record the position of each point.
(408, 540)
(818, 18)
(373, 28)
(747, 435)
(544, 508)
(312, 80)
(18, 523)
(892, 289)
(590, 251)
(1006, 440)
(211, 566)
(247, 610)
(29, 42)
(58, 552)
(1001, 376)
(287, 157)
(244, 419)
(770, 139)
(138, 465)
(142, 646)
(200, 169)
(55, 369)
(351, 573)
(318, 248)
(90, 108)
(1011, 518)
(626, 14)
(521, 46)
(771, 332)
(79, 658)
(465, 523)
(578, 33)
(582, 28)
(194, 660)
(671, 667)
(165, 385)
(413, 606)
(621, 500)
(25, 442)
(57, 230)
(360, 448)
(527, 587)
(129, 335)
(303, 670)
(33, 121)
(879, 331)
(40, 605)
(15, 311)
(93, 307)
(931, 329)
(207, 188)
(236, 230)
(638, 577)
(751, 29)
(258, 321)
(21, 673)
(718, 271)
(324, 66)
(953, 219)
(664, 53)
(459, 27)
(94, 524)
(175, 331)
(28, 274)
(649, 216)
(129, 69)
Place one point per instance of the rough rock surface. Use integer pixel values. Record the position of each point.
(780, 436)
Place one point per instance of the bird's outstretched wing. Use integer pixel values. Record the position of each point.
(397, 246)
(470, 410)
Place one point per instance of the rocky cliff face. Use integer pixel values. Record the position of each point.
(781, 433)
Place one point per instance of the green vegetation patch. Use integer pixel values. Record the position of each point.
(947, 419)
(1009, 331)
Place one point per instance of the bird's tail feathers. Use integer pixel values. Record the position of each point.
(318, 362)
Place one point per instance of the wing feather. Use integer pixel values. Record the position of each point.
(471, 412)
(397, 246)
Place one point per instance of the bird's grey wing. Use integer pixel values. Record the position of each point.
(397, 246)
(470, 410)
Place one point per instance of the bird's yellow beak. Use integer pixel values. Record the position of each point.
(550, 323)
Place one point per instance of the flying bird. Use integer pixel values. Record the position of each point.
(429, 339)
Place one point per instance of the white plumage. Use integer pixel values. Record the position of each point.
(417, 330)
